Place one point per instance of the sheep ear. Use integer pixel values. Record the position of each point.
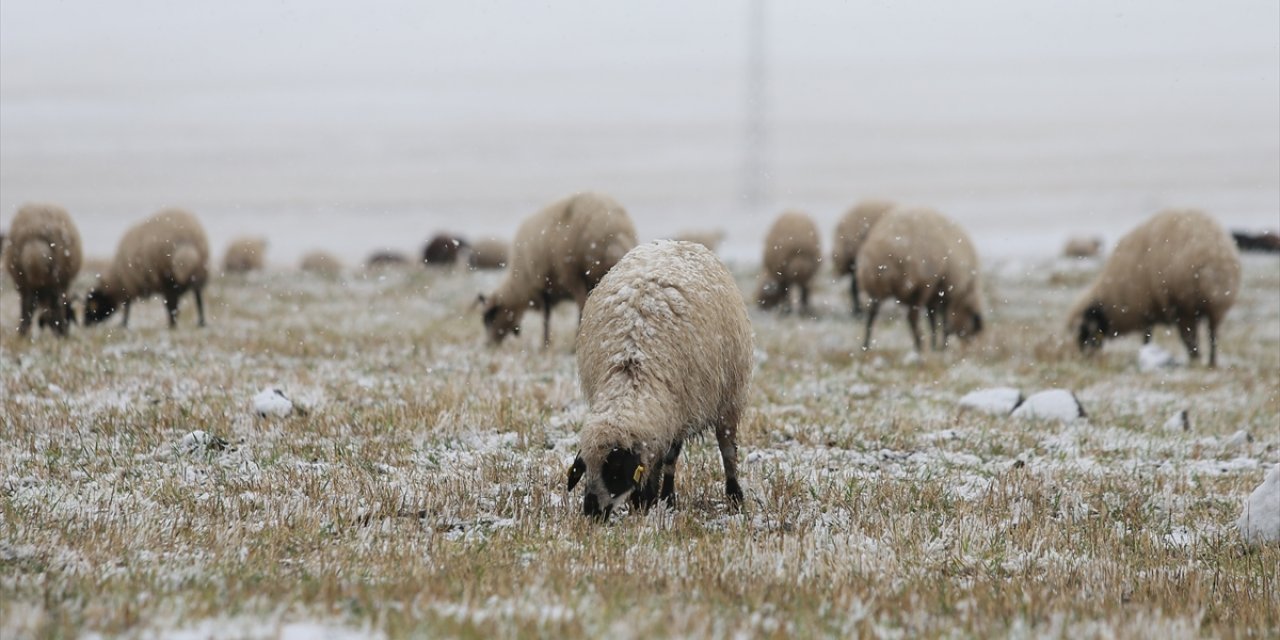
(575, 472)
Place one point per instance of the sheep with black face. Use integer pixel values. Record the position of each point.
(664, 353)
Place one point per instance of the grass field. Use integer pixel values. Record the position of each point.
(422, 493)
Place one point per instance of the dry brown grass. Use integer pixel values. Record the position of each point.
(423, 491)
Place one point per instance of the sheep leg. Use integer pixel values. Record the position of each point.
(804, 300)
(171, 306)
(200, 304)
(853, 291)
(1146, 333)
(1213, 341)
(913, 321)
(58, 313)
(125, 321)
(668, 494)
(28, 310)
(647, 496)
(546, 321)
(727, 438)
(1187, 325)
(931, 315)
(873, 307)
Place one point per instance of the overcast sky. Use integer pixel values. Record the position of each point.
(83, 43)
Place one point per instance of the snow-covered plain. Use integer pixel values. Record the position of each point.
(422, 492)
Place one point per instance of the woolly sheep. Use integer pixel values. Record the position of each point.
(559, 253)
(168, 254)
(791, 256)
(443, 249)
(321, 262)
(924, 260)
(244, 255)
(1177, 268)
(43, 258)
(386, 258)
(488, 254)
(851, 232)
(709, 238)
(664, 352)
(1082, 247)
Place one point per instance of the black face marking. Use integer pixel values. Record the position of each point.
(1093, 326)
(97, 307)
(575, 472)
(619, 471)
(977, 323)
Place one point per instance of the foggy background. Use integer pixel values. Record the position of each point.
(350, 127)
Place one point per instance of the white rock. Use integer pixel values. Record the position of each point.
(1054, 404)
(272, 403)
(1179, 421)
(198, 441)
(997, 401)
(1260, 521)
(1237, 440)
(1152, 357)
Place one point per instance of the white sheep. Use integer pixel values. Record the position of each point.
(925, 261)
(488, 253)
(851, 233)
(792, 253)
(321, 262)
(168, 254)
(43, 259)
(1177, 268)
(559, 253)
(664, 352)
(245, 254)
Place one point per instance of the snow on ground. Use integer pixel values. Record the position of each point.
(428, 497)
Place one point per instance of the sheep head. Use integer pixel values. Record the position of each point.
(963, 321)
(770, 294)
(500, 320)
(1093, 328)
(607, 480)
(98, 306)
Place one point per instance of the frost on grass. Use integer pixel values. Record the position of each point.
(427, 499)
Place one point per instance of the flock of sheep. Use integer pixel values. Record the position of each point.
(664, 345)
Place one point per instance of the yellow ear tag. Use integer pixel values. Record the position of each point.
(639, 472)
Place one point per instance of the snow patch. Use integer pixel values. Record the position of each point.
(1260, 521)
(1054, 404)
(997, 401)
(1179, 421)
(272, 403)
(1153, 357)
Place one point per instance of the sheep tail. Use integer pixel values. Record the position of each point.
(186, 263)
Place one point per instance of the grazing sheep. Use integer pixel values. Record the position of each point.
(664, 352)
(851, 232)
(559, 253)
(245, 255)
(709, 238)
(321, 262)
(43, 258)
(488, 254)
(1082, 247)
(924, 260)
(386, 258)
(1261, 242)
(443, 250)
(791, 256)
(1177, 268)
(168, 254)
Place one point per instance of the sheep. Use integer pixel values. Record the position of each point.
(443, 249)
(665, 352)
(1082, 247)
(488, 254)
(559, 253)
(244, 255)
(924, 260)
(1177, 268)
(43, 258)
(850, 233)
(168, 254)
(709, 238)
(321, 262)
(383, 258)
(791, 257)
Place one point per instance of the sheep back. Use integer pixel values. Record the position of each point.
(913, 254)
(244, 255)
(792, 253)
